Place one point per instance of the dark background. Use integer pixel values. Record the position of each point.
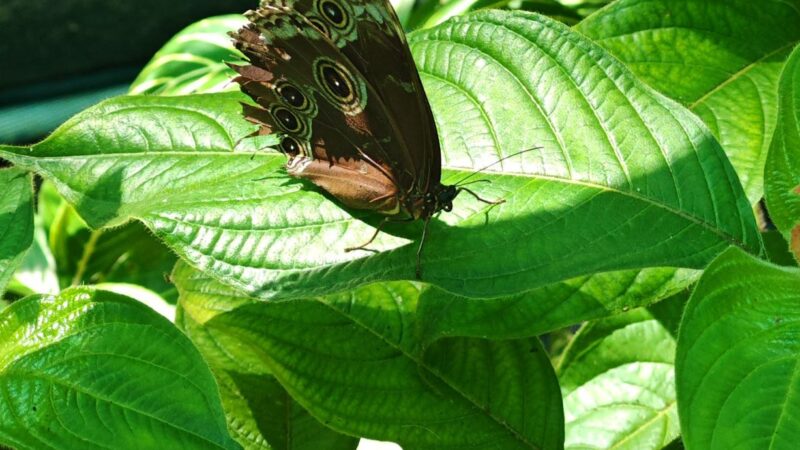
(58, 57)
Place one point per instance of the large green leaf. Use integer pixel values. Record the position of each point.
(618, 383)
(355, 362)
(259, 411)
(624, 178)
(193, 61)
(738, 357)
(91, 369)
(16, 221)
(720, 58)
(782, 182)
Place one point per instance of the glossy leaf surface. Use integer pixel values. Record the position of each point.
(737, 357)
(719, 58)
(617, 377)
(92, 369)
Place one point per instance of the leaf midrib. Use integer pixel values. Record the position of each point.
(689, 217)
(421, 363)
(27, 376)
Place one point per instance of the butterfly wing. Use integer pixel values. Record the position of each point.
(369, 34)
(339, 81)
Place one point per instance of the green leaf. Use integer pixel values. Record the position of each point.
(548, 308)
(737, 357)
(128, 254)
(639, 183)
(16, 221)
(447, 9)
(354, 362)
(719, 58)
(92, 369)
(783, 165)
(403, 9)
(259, 411)
(193, 61)
(37, 271)
(618, 383)
(777, 249)
(434, 12)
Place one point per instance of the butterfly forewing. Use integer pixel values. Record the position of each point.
(337, 79)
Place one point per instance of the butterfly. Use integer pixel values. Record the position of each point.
(336, 81)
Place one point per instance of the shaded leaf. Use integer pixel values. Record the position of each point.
(128, 254)
(550, 307)
(16, 221)
(259, 411)
(37, 271)
(354, 362)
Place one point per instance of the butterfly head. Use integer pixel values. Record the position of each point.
(439, 199)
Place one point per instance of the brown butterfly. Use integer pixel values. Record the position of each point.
(337, 81)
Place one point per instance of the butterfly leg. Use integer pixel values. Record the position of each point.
(419, 250)
(375, 234)
(478, 197)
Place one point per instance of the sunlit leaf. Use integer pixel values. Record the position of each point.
(617, 377)
(719, 58)
(737, 357)
(91, 369)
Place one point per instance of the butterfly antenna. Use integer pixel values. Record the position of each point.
(459, 182)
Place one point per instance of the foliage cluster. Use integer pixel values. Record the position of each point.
(662, 126)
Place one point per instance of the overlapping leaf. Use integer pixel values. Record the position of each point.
(16, 221)
(355, 362)
(738, 356)
(618, 383)
(624, 177)
(259, 411)
(720, 58)
(192, 61)
(127, 254)
(783, 165)
(91, 369)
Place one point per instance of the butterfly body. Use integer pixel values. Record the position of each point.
(337, 81)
